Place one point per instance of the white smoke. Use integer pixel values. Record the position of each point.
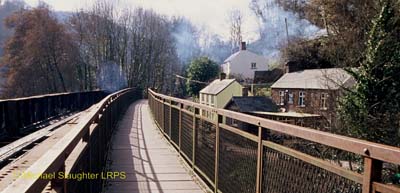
(111, 78)
(191, 42)
(273, 30)
(186, 40)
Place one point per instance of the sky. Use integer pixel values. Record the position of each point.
(210, 15)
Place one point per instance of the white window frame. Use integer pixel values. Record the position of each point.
(235, 122)
(302, 97)
(324, 98)
(212, 100)
(253, 65)
(281, 97)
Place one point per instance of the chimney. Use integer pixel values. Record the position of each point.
(222, 76)
(245, 91)
(243, 46)
(289, 67)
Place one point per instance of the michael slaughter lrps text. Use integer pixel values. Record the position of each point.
(72, 176)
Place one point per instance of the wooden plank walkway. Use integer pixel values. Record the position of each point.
(151, 163)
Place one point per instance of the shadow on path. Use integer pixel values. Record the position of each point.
(150, 164)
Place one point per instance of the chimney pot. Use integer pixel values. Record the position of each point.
(245, 91)
(222, 76)
(243, 46)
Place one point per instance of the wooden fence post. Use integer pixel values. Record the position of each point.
(217, 134)
(170, 119)
(180, 126)
(194, 138)
(259, 160)
(372, 173)
(162, 115)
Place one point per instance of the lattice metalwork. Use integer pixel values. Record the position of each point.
(205, 147)
(253, 129)
(237, 163)
(157, 112)
(283, 173)
(166, 120)
(175, 125)
(160, 114)
(187, 135)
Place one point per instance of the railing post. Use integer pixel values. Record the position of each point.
(217, 134)
(180, 126)
(194, 138)
(170, 119)
(259, 160)
(158, 110)
(59, 185)
(162, 115)
(372, 173)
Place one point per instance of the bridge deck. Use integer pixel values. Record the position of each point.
(151, 164)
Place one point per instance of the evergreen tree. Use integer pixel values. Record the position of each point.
(201, 69)
(371, 110)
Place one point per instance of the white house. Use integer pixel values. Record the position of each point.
(244, 64)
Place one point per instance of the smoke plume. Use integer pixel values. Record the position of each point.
(111, 78)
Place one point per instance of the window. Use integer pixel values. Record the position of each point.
(206, 99)
(302, 96)
(282, 97)
(235, 123)
(290, 101)
(202, 97)
(253, 65)
(212, 99)
(324, 96)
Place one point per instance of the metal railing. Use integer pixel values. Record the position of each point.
(231, 160)
(16, 114)
(82, 149)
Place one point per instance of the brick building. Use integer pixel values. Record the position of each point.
(313, 91)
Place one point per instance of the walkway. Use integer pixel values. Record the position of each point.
(151, 163)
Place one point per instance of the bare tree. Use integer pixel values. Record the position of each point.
(102, 44)
(138, 40)
(41, 45)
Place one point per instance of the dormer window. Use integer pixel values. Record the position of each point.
(253, 65)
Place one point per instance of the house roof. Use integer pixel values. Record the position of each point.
(240, 53)
(216, 86)
(269, 76)
(330, 78)
(251, 104)
(287, 114)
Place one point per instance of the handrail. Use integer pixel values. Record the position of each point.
(19, 115)
(376, 151)
(54, 159)
(47, 95)
(374, 154)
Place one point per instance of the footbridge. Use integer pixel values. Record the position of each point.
(128, 141)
